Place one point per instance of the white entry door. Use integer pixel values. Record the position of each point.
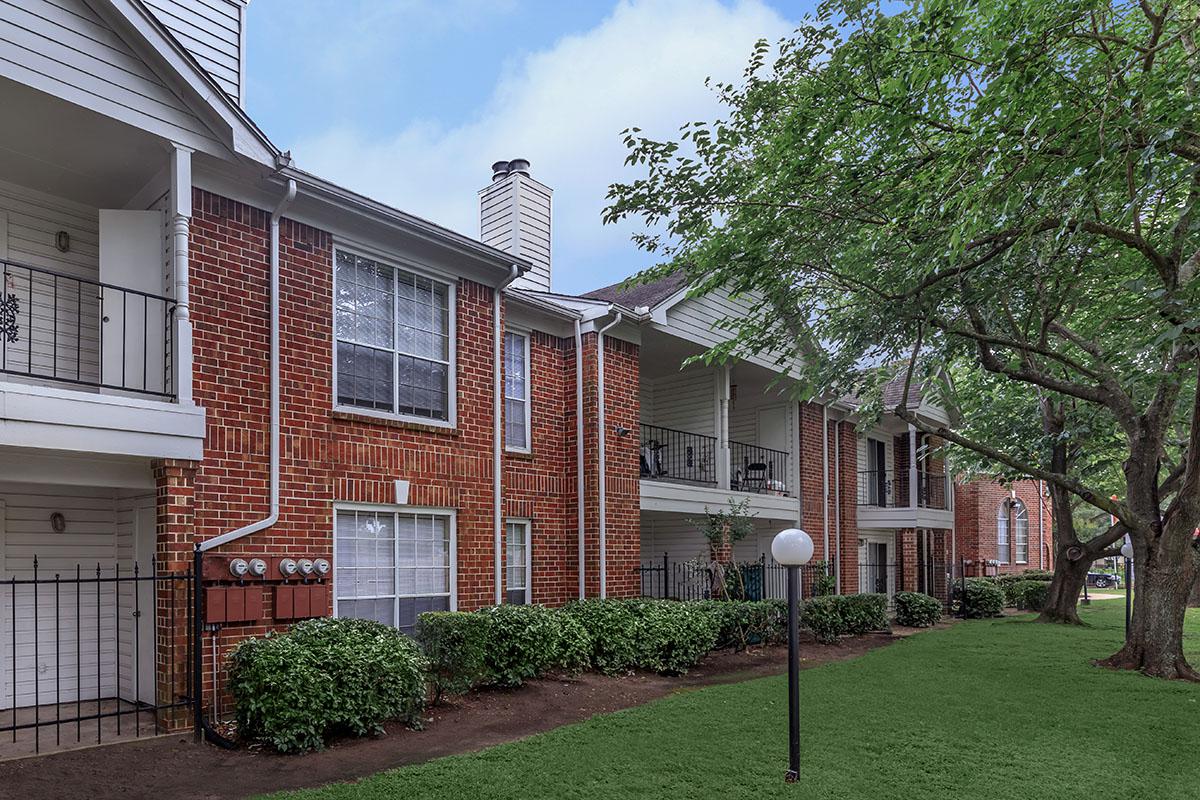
(132, 325)
(144, 545)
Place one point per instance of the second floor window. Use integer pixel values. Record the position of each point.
(516, 391)
(393, 331)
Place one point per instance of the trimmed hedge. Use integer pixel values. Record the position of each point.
(982, 598)
(325, 677)
(673, 635)
(745, 624)
(612, 633)
(917, 610)
(456, 644)
(526, 642)
(1031, 595)
(838, 615)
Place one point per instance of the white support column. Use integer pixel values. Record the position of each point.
(724, 469)
(181, 215)
(912, 467)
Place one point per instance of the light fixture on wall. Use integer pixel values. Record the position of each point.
(622, 431)
(58, 523)
(62, 241)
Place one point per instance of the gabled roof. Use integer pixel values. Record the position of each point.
(641, 294)
(239, 132)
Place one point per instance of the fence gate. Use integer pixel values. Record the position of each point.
(82, 653)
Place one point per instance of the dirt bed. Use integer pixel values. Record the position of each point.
(174, 767)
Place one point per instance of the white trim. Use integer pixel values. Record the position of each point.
(451, 284)
(527, 525)
(528, 399)
(398, 510)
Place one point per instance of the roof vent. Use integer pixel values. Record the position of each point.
(499, 170)
(519, 166)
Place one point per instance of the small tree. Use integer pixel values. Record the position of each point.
(723, 529)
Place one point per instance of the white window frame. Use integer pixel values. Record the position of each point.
(384, 508)
(527, 525)
(451, 284)
(528, 401)
(1002, 529)
(1013, 533)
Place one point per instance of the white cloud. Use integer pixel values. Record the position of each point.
(563, 109)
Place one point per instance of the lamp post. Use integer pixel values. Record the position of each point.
(793, 549)
(1127, 553)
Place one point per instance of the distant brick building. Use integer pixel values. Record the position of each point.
(1003, 528)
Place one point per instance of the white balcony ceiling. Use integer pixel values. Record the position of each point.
(63, 149)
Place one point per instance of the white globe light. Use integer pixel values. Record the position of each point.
(792, 547)
(1127, 549)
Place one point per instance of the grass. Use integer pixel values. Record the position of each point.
(984, 709)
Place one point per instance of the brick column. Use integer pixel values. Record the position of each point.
(906, 559)
(175, 489)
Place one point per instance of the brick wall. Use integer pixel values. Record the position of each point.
(328, 457)
(842, 443)
(976, 506)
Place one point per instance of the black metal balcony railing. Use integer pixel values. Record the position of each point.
(757, 469)
(671, 455)
(885, 488)
(78, 331)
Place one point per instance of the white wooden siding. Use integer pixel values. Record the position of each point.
(93, 536)
(211, 30)
(515, 216)
(685, 401)
(33, 219)
(694, 319)
(63, 48)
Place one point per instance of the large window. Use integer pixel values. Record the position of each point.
(394, 337)
(516, 391)
(517, 562)
(1012, 532)
(391, 566)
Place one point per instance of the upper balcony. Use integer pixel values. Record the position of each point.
(712, 434)
(895, 491)
(92, 343)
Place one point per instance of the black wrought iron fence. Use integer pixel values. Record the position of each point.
(931, 490)
(876, 487)
(82, 651)
(761, 579)
(74, 330)
(672, 455)
(757, 469)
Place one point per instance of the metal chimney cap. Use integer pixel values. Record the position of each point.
(499, 170)
(520, 165)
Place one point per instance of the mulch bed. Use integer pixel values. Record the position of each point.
(175, 767)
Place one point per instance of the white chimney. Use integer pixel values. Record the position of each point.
(514, 216)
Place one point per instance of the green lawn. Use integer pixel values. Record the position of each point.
(998, 708)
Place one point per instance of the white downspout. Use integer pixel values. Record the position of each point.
(580, 484)
(273, 516)
(825, 479)
(603, 469)
(837, 504)
(1041, 488)
(497, 438)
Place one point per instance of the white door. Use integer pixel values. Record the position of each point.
(773, 433)
(132, 326)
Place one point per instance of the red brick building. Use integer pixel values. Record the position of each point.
(1004, 528)
(345, 409)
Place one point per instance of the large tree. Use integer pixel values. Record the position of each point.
(1012, 182)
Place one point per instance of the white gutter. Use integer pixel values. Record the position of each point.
(273, 516)
(579, 479)
(497, 438)
(603, 465)
(825, 478)
(837, 504)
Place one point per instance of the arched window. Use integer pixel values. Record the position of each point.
(1012, 532)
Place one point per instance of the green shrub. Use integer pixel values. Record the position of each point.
(325, 677)
(672, 636)
(612, 632)
(456, 643)
(822, 616)
(525, 642)
(917, 610)
(742, 624)
(863, 613)
(981, 597)
(1031, 595)
(824, 584)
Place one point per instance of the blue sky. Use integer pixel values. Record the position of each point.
(410, 101)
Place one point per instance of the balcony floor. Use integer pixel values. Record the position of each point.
(691, 498)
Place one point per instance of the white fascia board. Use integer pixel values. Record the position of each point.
(63, 420)
(224, 117)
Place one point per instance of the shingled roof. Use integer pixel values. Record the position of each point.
(640, 294)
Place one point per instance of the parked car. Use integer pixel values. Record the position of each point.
(1103, 580)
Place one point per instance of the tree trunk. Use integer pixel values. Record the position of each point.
(1069, 577)
(1164, 571)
